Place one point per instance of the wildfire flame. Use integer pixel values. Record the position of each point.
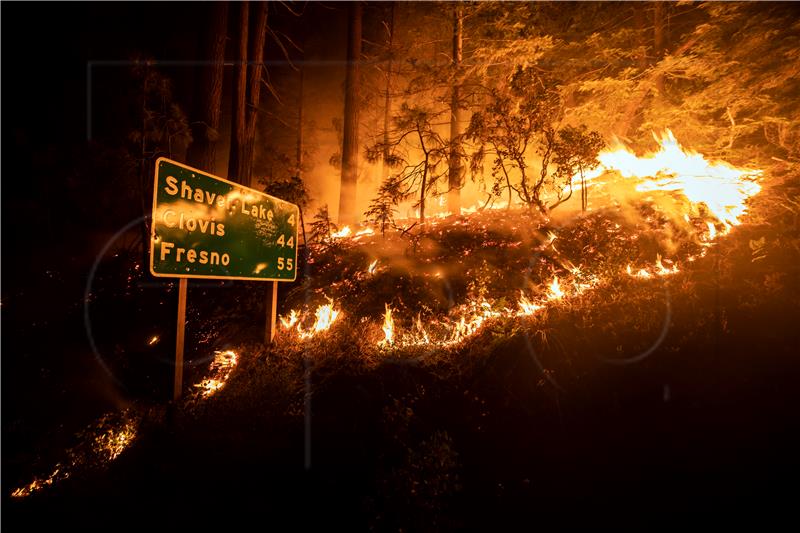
(471, 321)
(712, 231)
(555, 289)
(342, 233)
(527, 307)
(221, 368)
(419, 331)
(714, 189)
(109, 437)
(662, 270)
(388, 327)
(721, 187)
(325, 316)
(291, 320)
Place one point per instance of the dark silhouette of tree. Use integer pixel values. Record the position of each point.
(202, 152)
(347, 192)
(419, 153)
(520, 119)
(248, 72)
(576, 152)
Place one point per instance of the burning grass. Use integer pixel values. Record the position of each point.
(97, 446)
(566, 297)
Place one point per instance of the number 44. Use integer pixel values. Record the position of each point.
(288, 264)
(283, 242)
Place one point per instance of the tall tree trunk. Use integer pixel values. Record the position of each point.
(584, 192)
(423, 191)
(238, 119)
(387, 103)
(454, 170)
(640, 23)
(208, 110)
(659, 40)
(626, 121)
(347, 193)
(299, 155)
(256, 68)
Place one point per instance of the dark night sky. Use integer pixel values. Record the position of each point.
(44, 97)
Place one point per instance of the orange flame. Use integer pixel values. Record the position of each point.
(325, 316)
(555, 290)
(721, 187)
(371, 267)
(526, 306)
(388, 327)
(221, 368)
(291, 320)
(342, 233)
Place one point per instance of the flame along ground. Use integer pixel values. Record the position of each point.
(106, 440)
(720, 188)
(221, 367)
(108, 437)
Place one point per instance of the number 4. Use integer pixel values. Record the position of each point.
(291, 220)
(281, 240)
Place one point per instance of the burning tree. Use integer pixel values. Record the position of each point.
(520, 120)
(322, 227)
(381, 209)
(576, 153)
(420, 154)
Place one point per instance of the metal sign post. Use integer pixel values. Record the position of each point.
(208, 227)
(181, 327)
(272, 314)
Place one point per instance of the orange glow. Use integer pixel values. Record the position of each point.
(721, 187)
(325, 316)
(388, 327)
(291, 320)
(221, 368)
(342, 233)
(555, 289)
(526, 306)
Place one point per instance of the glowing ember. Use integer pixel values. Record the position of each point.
(388, 327)
(38, 484)
(113, 442)
(153, 340)
(721, 187)
(221, 368)
(371, 268)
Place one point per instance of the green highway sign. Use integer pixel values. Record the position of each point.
(208, 227)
